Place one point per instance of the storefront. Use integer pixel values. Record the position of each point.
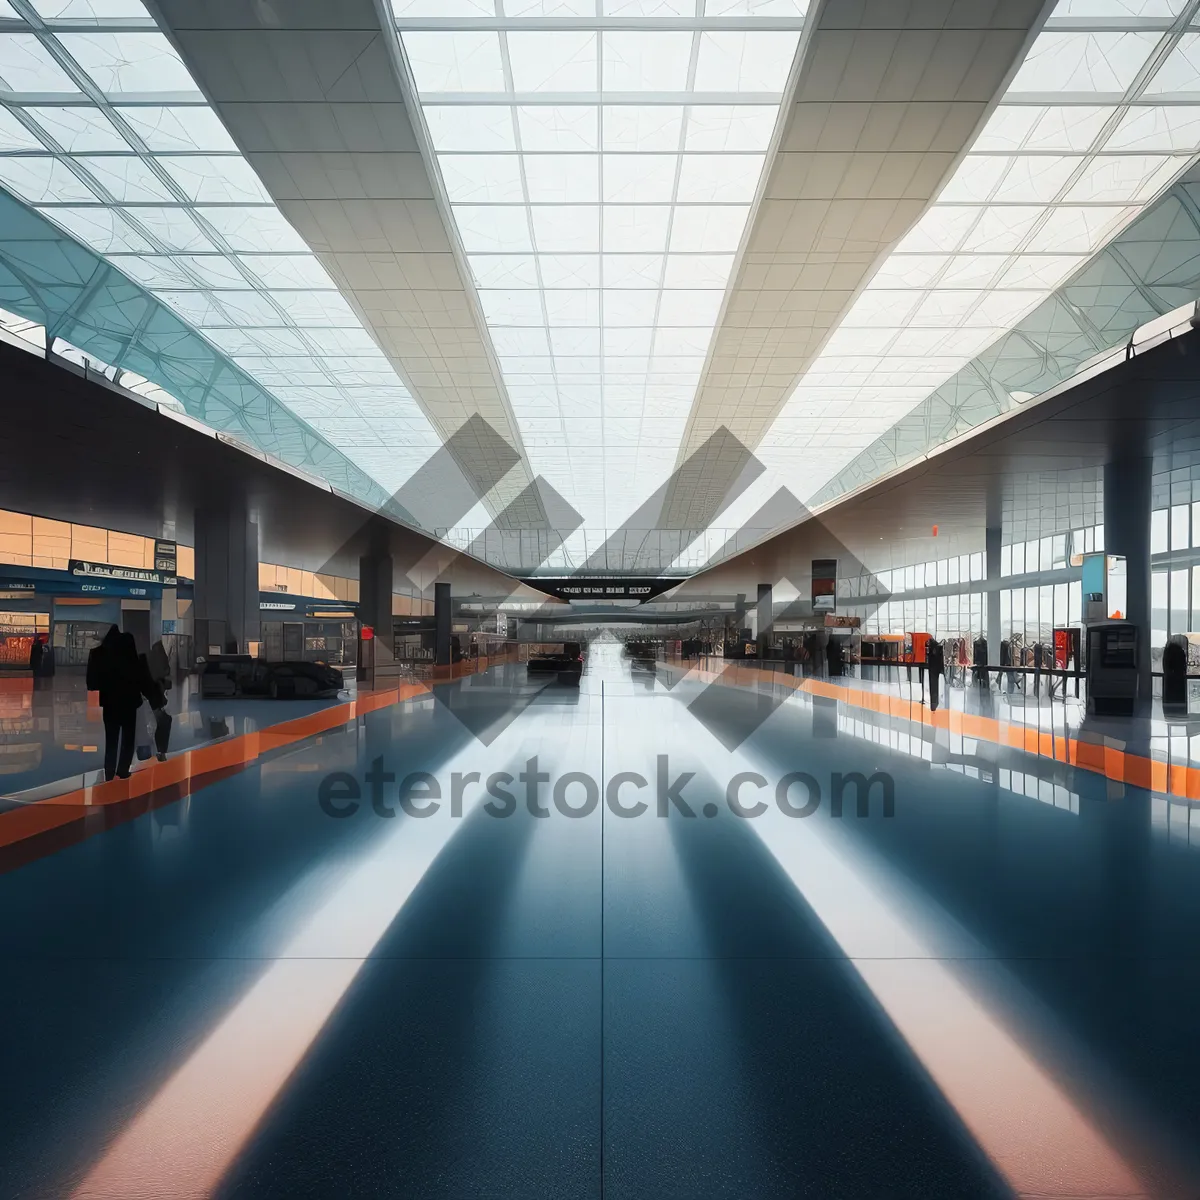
(298, 628)
(73, 609)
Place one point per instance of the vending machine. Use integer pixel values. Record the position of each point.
(1113, 653)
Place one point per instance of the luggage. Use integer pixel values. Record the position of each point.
(162, 731)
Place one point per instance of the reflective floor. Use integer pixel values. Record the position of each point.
(49, 732)
(302, 980)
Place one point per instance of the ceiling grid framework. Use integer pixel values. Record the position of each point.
(890, 93)
(311, 94)
(600, 158)
(1102, 116)
(104, 131)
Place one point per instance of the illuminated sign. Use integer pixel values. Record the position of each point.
(77, 566)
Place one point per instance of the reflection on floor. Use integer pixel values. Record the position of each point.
(332, 975)
(50, 732)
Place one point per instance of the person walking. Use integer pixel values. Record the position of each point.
(36, 650)
(157, 667)
(113, 670)
(935, 661)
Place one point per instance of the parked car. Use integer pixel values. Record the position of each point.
(241, 675)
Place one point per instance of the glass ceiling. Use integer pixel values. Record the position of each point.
(103, 131)
(600, 158)
(1101, 117)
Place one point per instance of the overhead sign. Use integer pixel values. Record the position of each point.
(275, 606)
(824, 584)
(86, 569)
(166, 556)
(599, 589)
(841, 621)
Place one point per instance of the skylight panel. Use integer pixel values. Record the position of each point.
(494, 228)
(14, 135)
(697, 270)
(1181, 71)
(1003, 228)
(569, 270)
(213, 270)
(1164, 128)
(652, 127)
(1035, 178)
(1110, 9)
(43, 180)
(287, 270)
(91, 10)
(156, 272)
(460, 60)
(562, 178)
(126, 178)
(8, 12)
(745, 61)
(553, 128)
(730, 126)
(1046, 271)
(504, 270)
(719, 178)
(443, 8)
(253, 229)
(470, 127)
(1071, 230)
(941, 228)
(632, 270)
(482, 178)
(640, 178)
(635, 228)
(180, 128)
(707, 228)
(215, 179)
(26, 66)
(646, 61)
(1082, 62)
(552, 61)
(129, 63)
(1123, 179)
(79, 129)
(566, 229)
(512, 307)
(103, 229)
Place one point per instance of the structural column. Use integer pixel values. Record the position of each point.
(764, 618)
(441, 622)
(991, 563)
(375, 602)
(1127, 483)
(225, 612)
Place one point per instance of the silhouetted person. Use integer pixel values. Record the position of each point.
(156, 666)
(1174, 676)
(935, 661)
(114, 671)
(979, 653)
(35, 656)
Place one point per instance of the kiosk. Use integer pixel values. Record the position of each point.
(1113, 652)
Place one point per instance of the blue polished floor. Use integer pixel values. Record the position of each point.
(49, 734)
(983, 994)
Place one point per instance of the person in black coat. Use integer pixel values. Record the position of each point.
(115, 671)
(935, 662)
(36, 650)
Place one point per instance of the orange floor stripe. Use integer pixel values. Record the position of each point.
(1118, 765)
(184, 772)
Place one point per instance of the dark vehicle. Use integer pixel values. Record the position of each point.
(642, 655)
(241, 675)
(567, 664)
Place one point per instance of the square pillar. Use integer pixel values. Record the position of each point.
(226, 612)
(441, 622)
